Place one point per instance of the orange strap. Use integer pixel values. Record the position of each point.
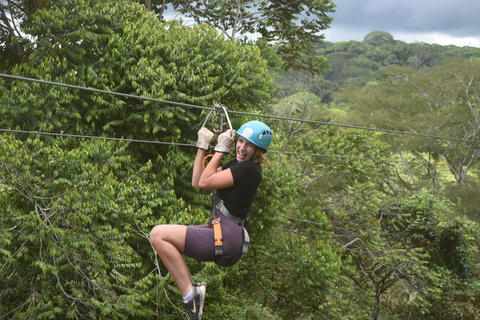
(217, 234)
(205, 159)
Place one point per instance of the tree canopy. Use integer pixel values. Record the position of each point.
(408, 100)
(291, 27)
(337, 231)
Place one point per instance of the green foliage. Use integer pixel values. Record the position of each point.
(462, 300)
(465, 198)
(11, 40)
(15, 16)
(338, 195)
(75, 224)
(391, 270)
(352, 64)
(121, 47)
(439, 101)
(332, 236)
(377, 38)
(118, 46)
(447, 254)
(292, 29)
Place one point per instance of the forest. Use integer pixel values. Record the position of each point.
(370, 209)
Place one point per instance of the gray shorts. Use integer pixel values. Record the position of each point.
(200, 243)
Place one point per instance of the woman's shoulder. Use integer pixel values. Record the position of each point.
(249, 168)
(243, 166)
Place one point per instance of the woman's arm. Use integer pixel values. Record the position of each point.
(213, 177)
(205, 137)
(198, 167)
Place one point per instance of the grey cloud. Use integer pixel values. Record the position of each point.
(454, 18)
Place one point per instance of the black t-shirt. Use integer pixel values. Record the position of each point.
(247, 176)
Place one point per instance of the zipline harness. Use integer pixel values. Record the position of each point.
(214, 221)
(219, 127)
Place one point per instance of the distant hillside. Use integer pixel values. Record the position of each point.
(353, 63)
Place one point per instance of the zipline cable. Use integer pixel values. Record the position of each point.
(211, 110)
(125, 95)
(193, 145)
(95, 137)
(233, 112)
(355, 127)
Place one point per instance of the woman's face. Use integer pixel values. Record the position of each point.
(244, 149)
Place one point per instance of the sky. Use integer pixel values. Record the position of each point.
(442, 22)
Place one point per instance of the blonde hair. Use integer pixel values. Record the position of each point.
(262, 157)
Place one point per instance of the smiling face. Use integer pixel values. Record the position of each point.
(245, 150)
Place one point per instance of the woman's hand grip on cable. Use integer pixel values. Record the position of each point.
(205, 137)
(225, 141)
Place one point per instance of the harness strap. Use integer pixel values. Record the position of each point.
(246, 241)
(218, 204)
(217, 229)
(217, 234)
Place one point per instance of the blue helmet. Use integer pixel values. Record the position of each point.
(257, 133)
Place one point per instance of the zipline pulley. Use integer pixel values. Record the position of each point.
(218, 125)
(219, 112)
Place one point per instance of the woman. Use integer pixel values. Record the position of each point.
(236, 183)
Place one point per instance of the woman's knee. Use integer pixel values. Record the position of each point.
(156, 235)
(168, 234)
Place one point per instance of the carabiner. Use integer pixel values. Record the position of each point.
(217, 113)
(225, 112)
(221, 124)
(208, 117)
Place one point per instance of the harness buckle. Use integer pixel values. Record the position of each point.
(219, 204)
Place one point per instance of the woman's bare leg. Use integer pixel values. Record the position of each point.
(169, 242)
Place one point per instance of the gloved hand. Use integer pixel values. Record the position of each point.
(225, 141)
(205, 137)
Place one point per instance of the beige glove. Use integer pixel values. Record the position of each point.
(205, 137)
(225, 141)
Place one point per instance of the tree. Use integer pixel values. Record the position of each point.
(73, 228)
(398, 252)
(292, 27)
(114, 46)
(15, 16)
(440, 102)
(124, 48)
(134, 54)
(297, 264)
(378, 38)
(11, 40)
(337, 200)
(443, 248)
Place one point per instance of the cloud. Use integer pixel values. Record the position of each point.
(438, 38)
(439, 21)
